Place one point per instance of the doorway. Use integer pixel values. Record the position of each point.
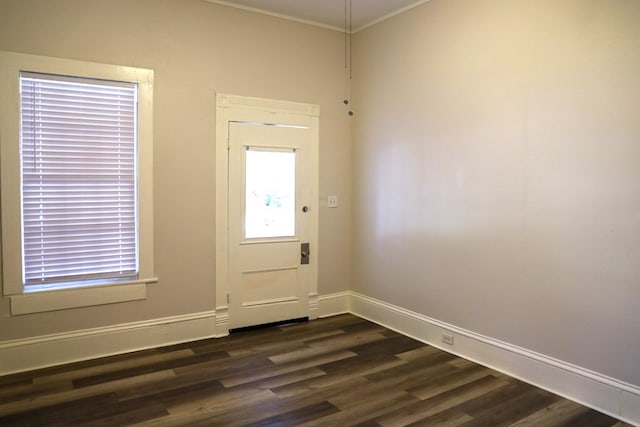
(267, 211)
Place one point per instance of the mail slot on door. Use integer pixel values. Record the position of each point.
(304, 253)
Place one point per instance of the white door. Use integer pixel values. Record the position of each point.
(269, 222)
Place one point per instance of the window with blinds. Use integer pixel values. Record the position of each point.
(79, 187)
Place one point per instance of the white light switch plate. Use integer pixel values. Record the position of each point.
(332, 201)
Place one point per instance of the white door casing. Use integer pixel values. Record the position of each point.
(261, 280)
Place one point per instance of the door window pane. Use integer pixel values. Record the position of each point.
(270, 193)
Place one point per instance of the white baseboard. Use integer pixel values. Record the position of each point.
(222, 321)
(56, 349)
(334, 304)
(50, 350)
(605, 394)
(313, 306)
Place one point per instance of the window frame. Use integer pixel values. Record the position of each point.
(23, 301)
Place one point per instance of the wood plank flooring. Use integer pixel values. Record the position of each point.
(339, 371)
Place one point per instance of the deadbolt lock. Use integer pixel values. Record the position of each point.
(304, 253)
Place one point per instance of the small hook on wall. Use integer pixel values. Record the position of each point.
(346, 102)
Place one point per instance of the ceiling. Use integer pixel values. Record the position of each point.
(327, 13)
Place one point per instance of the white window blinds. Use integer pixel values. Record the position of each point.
(79, 210)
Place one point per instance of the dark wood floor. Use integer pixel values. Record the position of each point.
(339, 371)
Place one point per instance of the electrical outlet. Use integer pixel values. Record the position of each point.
(447, 338)
(332, 201)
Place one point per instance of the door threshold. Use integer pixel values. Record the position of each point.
(269, 325)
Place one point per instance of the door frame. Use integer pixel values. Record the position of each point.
(236, 108)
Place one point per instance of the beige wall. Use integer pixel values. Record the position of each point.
(195, 48)
(497, 172)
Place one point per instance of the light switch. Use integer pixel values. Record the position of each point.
(332, 201)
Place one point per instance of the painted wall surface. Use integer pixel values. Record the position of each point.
(497, 172)
(195, 49)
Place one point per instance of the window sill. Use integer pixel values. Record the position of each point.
(63, 299)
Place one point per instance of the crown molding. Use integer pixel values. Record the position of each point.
(275, 15)
(316, 23)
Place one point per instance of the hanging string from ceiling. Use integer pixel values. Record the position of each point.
(345, 36)
(350, 41)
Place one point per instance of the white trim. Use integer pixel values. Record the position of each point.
(56, 349)
(61, 299)
(268, 106)
(275, 15)
(313, 303)
(316, 23)
(222, 321)
(334, 304)
(390, 15)
(609, 395)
